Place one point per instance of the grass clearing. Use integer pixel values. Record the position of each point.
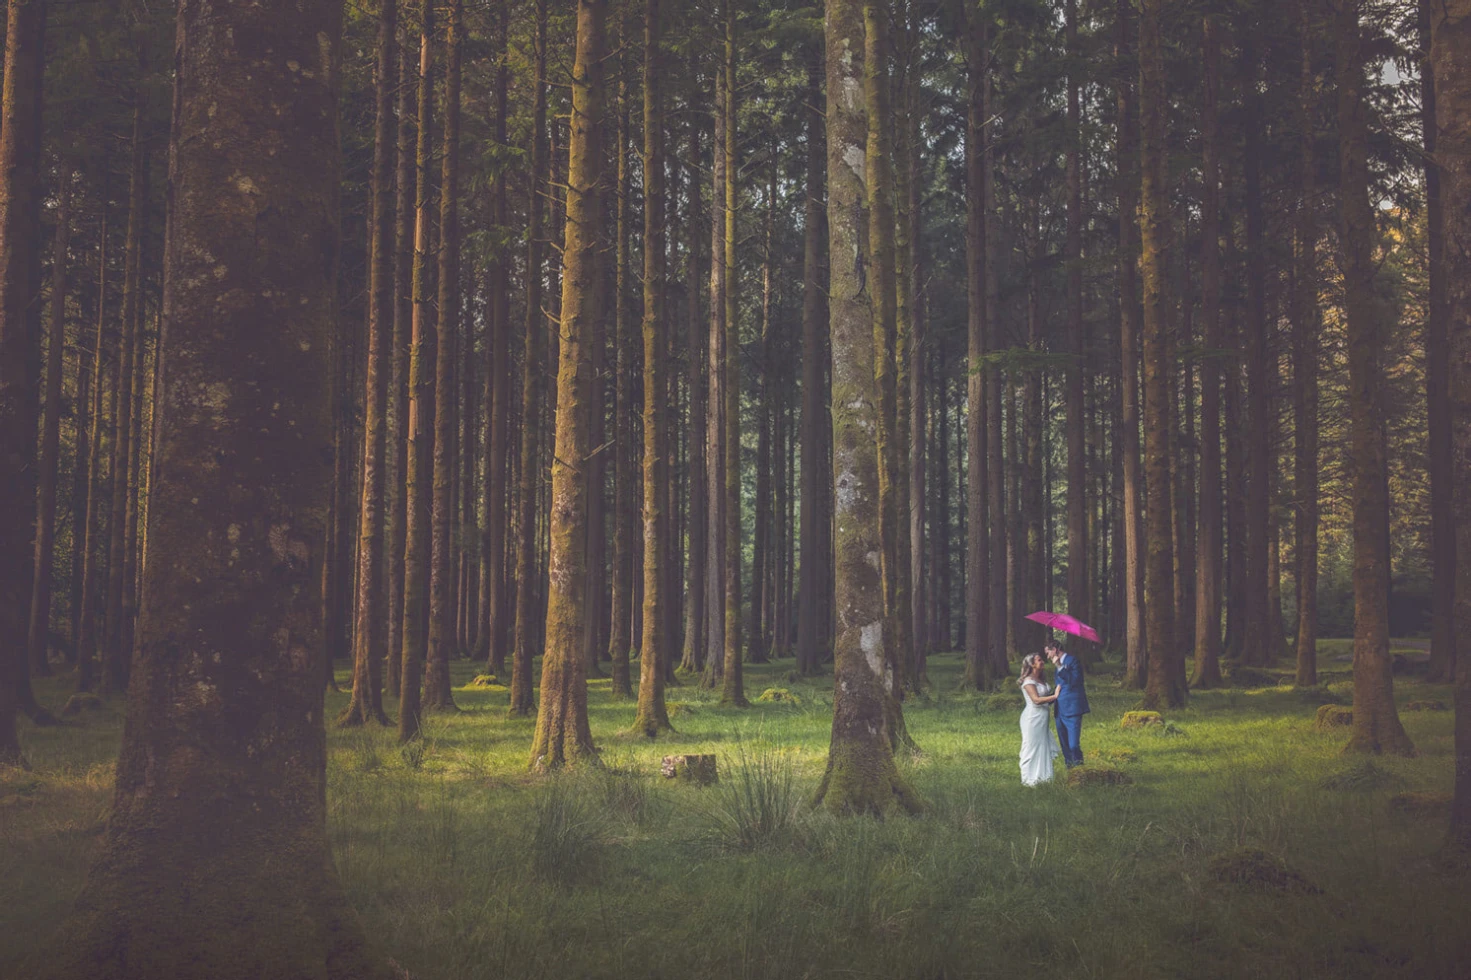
(463, 865)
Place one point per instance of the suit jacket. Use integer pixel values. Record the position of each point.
(1072, 698)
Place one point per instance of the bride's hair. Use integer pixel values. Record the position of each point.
(1031, 666)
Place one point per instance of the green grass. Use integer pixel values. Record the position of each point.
(463, 865)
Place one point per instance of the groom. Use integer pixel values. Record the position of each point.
(1072, 703)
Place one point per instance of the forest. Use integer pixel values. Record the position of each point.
(582, 488)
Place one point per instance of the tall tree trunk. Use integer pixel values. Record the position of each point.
(715, 418)
(115, 660)
(369, 638)
(1135, 669)
(398, 392)
(813, 559)
(657, 644)
(625, 409)
(417, 552)
(1306, 323)
(697, 340)
(530, 466)
(995, 445)
(85, 607)
(1450, 58)
(1437, 383)
(496, 611)
(861, 776)
(20, 248)
(1257, 647)
(763, 569)
(977, 558)
(38, 638)
(1376, 725)
(733, 688)
(1162, 687)
(1207, 671)
(242, 495)
(912, 324)
(562, 733)
(1235, 462)
(1077, 507)
(81, 482)
(1032, 485)
(437, 692)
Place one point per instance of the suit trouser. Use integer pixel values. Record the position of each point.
(1069, 731)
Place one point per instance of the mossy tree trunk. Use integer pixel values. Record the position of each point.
(1306, 323)
(861, 775)
(657, 644)
(562, 733)
(732, 689)
(1450, 58)
(625, 501)
(215, 862)
(369, 640)
(443, 575)
(422, 350)
(497, 614)
(1163, 686)
(522, 703)
(814, 466)
(1376, 726)
(1207, 671)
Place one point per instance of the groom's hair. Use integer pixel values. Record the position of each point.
(1052, 646)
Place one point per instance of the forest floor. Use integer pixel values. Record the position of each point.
(463, 865)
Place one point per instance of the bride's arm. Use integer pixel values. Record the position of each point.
(1030, 690)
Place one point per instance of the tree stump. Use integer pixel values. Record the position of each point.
(697, 769)
(1141, 719)
(1331, 716)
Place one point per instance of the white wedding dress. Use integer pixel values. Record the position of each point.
(1039, 742)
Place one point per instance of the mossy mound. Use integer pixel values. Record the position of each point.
(1319, 694)
(484, 680)
(677, 708)
(1331, 716)
(1256, 868)
(778, 695)
(1420, 804)
(1362, 777)
(1002, 702)
(1141, 719)
(1097, 776)
(1118, 756)
(77, 703)
(1430, 705)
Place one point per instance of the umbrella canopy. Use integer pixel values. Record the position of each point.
(1065, 623)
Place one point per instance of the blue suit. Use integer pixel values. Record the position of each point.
(1071, 706)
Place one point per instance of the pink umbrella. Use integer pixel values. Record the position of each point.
(1066, 624)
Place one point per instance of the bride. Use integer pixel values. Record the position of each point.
(1039, 744)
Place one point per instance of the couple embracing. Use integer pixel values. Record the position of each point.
(1070, 701)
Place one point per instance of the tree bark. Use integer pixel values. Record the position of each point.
(733, 688)
(1208, 556)
(1376, 725)
(398, 408)
(696, 584)
(995, 436)
(1162, 686)
(977, 557)
(1135, 667)
(562, 733)
(656, 646)
(1077, 508)
(530, 466)
(626, 500)
(1450, 58)
(438, 695)
(231, 622)
(369, 638)
(1306, 323)
(861, 776)
(813, 559)
(497, 614)
(715, 458)
(417, 552)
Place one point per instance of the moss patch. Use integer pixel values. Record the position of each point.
(1256, 868)
(1118, 756)
(1002, 702)
(1362, 777)
(1097, 776)
(1319, 694)
(1331, 716)
(1141, 719)
(778, 695)
(1428, 705)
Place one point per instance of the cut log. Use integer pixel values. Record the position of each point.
(697, 769)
